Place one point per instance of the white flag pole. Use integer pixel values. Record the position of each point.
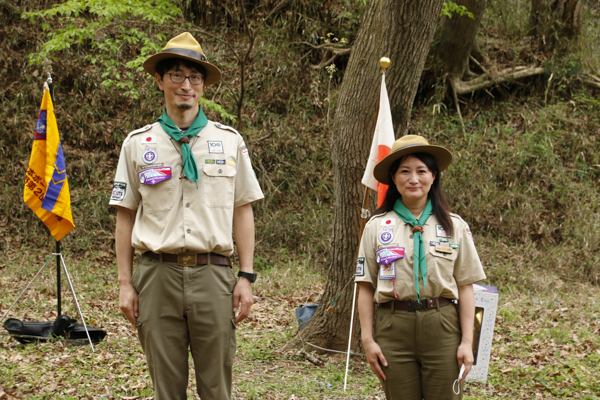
(384, 63)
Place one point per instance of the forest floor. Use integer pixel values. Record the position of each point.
(546, 342)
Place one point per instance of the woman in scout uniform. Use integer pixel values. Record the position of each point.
(415, 260)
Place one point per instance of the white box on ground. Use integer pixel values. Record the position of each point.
(486, 305)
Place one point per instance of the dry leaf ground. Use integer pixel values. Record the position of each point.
(546, 345)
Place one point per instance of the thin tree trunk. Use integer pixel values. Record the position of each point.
(401, 30)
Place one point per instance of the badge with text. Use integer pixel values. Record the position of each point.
(215, 146)
(386, 236)
(152, 176)
(149, 139)
(388, 222)
(360, 266)
(118, 192)
(441, 232)
(389, 254)
(387, 272)
(149, 155)
(220, 162)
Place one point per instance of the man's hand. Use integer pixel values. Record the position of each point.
(128, 303)
(375, 358)
(242, 299)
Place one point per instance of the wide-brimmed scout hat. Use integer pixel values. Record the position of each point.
(410, 144)
(186, 47)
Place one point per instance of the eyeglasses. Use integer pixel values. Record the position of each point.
(177, 77)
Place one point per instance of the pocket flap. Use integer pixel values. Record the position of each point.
(219, 170)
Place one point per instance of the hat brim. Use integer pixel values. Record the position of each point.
(441, 154)
(214, 73)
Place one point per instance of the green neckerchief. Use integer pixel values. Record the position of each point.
(406, 216)
(190, 168)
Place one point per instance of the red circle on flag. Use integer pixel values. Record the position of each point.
(148, 139)
(389, 221)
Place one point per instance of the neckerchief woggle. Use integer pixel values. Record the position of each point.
(420, 263)
(190, 168)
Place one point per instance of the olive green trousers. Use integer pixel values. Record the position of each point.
(420, 349)
(186, 307)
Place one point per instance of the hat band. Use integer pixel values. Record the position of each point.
(411, 145)
(187, 53)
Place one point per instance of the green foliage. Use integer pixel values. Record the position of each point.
(100, 31)
(216, 108)
(449, 8)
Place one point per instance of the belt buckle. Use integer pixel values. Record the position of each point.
(187, 259)
(415, 305)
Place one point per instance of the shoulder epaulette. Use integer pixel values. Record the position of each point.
(141, 130)
(226, 127)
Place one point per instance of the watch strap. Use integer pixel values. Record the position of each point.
(250, 276)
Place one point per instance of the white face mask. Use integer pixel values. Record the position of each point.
(456, 384)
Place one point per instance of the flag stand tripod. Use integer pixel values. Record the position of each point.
(59, 260)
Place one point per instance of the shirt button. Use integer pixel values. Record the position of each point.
(411, 257)
(220, 171)
(188, 230)
(410, 237)
(187, 204)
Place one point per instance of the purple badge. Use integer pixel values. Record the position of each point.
(149, 155)
(152, 176)
(389, 254)
(386, 236)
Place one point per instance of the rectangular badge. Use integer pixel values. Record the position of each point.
(118, 192)
(444, 249)
(387, 272)
(152, 176)
(215, 146)
(388, 222)
(220, 162)
(441, 232)
(148, 139)
(360, 266)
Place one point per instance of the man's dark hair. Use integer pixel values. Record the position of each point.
(441, 208)
(165, 65)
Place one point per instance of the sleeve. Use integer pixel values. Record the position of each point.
(126, 184)
(247, 188)
(467, 267)
(366, 264)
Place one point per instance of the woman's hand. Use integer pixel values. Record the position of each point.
(464, 355)
(375, 358)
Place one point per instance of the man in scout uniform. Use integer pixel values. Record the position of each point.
(182, 185)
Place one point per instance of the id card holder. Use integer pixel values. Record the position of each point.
(387, 272)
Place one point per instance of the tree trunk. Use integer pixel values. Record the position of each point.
(455, 37)
(551, 20)
(401, 30)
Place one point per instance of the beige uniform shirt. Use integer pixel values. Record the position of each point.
(174, 215)
(445, 270)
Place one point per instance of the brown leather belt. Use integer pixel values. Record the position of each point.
(191, 259)
(414, 305)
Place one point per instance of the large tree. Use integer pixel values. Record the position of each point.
(401, 30)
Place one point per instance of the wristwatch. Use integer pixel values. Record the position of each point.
(250, 276)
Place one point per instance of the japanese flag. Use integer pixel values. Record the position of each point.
(383, 139)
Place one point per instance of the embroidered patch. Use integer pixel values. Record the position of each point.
(468, 229)
(149, 155)
(360, 266)
(118, 192)
(389, 254)
(220, 162)
(440, 232)
(152, 165)
(149, 139)
(231, 162)
(388, 222)
(210, 161)
(215, 146)
(386, 236)
(243, 147)
(152, 176)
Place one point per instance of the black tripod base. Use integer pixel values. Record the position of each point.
(63, 328)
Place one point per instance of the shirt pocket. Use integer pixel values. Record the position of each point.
(440, 266)
(218, 185)
(158, 197)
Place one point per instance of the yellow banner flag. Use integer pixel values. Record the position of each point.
(46, 185)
